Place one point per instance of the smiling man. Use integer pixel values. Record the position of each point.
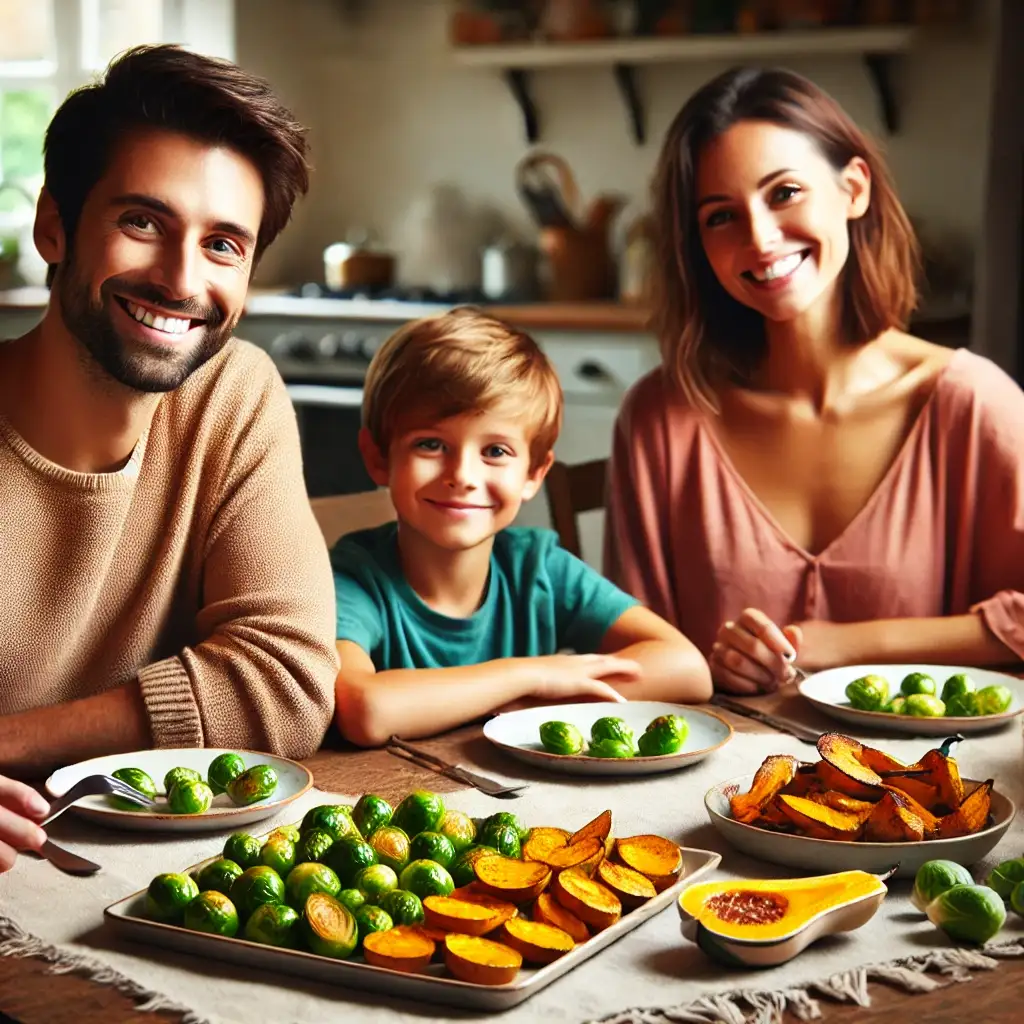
(165, 583)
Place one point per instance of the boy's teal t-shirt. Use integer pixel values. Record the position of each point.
(540, 599)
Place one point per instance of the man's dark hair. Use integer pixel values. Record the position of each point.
(167, 87)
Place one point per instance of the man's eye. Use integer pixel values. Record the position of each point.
(139, 221)
(225, 247)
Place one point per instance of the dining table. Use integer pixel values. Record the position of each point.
(30, 993)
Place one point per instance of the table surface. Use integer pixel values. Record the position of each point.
(31, 995)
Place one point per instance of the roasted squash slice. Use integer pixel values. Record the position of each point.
(537, 943)
(586, 854)
(841, 802)
(541, 841)
(971, 816)
(548, 910)
(476, 917)
(516, 881)
(823, 821)
(923, 793)
(658, 858)
(481, 961)
(929, 821)
(845, 754)
(944, 775)
(599, 828)
(832, 778)
(893, 821)
(630, 886)
(775, 773)
(805, 782)
(401, 949)
(593, 903)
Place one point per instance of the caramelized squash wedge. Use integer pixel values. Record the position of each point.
(481, 961)
(841, 802)
(547, 910)
(599, 828)
(845, 754)
(541, 841)
(776, 772)
(658, 858)
(823, 821)
(929, 822)
(805, 782)
(971, 816)
(593, 903)
(469, 917)
(944, 775)
(832, 778)
(923, 793)
(537, 943)
(402, 948)
(514, 880)
(586, 854)
(893, 821)
(630, 886)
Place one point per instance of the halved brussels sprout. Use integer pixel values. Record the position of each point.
(868, 693)
(917, 682)
(934, 877)
(561, 738)
(391, 845)
(273, 924)
(434, 846)
(958, 683)
(223, 770)
(420, 811)
(994, 700)
(335, 819)
(176, 775)
(243, 849)
(968, 913)
(402, 906)
(314, 845)
(330, 928)
(610, 748)
(254, 784)
(137, 779)
(305, 879)
(425, 878)
(256, 886)
(370, 813)
(280, 854)
(924, 705)
(219, 876)
(168, 895)
(212, 912)
(189, 797)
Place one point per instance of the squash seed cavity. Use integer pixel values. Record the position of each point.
(741, 906)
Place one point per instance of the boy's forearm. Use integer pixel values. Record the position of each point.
(422, 702)
(671, 672)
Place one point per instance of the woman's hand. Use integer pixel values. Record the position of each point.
(753, 654)
(20, 808)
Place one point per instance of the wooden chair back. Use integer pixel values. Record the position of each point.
(338, 514)
(572, 489)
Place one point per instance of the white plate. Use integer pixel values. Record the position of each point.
(518, 733)
(824, 856)
(827, 692)
(292, 781)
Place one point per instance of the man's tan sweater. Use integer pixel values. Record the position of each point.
(199, 570)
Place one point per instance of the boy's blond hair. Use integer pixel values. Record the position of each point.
(461, 361)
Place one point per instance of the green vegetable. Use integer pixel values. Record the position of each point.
(280, 854)
(1005, 877)
(1017, 898)
(917, 682)
(335, 819)
(561, 738)
(223, 770)
(168, 895)
(420, 811)
(924, 705)
(212, 912)
(664, 735)
(957, 684)
(896, 706)
(505, 818)
(375, 881)
(434, 846)
(219, 876)
(462, 867)
(962, 705)
(305, 879)
(503, 838)
(243, 849)
(256, 886)
(137, 779)
(176, 775)
(289, 832)
(934, 877)
(273, 924)
(254, 784)
(371, 919)
(370, 813)
(610, 748)
(314, 845)
(391, 845)
(994, 700)
(459, 828)
(403, 907)
(426, 878)
(189, 797)
(868, 693)
(968, 913)
(353, 899)
(611, 728)
(329, 927)
(348, 856)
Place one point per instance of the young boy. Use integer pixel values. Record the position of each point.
(449, 614)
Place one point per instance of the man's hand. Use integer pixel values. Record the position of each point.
(20, 808)
(559, 677)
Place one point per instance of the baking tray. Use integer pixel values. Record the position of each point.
(126, 917)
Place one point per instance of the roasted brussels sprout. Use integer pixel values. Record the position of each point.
(375, 881)
(168, 895)
(610, 748)
(280, 854)
(289, 832)
(664, 735)
(330, 928)
(314, 845)
(917, 682)
(425, 878)
(462, 867)
(611, 728)
(219, 876)
(348, 856)
(504, 838)
(433, 846)
(305, 879)
(459, 828)
(504, 818)
(189, 797)
(924, 705)
(370, 813)
(962, 705)
(223, 770)
(403, 907)
(176, 775)
(370, 918)
(212, 912)
(994, 700)
(137, 779)
(868, 693)
(333, 818)
(256, 886)
(420, 811)
(353, 899)
(273, 924)
(561, 738)
(243, 849)
(896, 706)
(391, 845)
(1005, 877)
(253, 785)
(958, 683)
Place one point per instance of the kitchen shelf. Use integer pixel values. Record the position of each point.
(877, 45)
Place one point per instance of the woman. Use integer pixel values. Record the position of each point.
(802, 479)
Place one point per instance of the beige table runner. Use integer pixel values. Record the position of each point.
(47, 913)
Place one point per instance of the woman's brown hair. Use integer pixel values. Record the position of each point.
(704, 333)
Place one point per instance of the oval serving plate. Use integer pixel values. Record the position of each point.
(826, 690)
(293, 779)
(517, 732)
(825, 856)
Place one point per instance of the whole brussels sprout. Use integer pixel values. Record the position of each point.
(254, 784)
(917, 682)
(370, 918)
(403, 907)
(219, 876)
(176, 775)
(168, 895)
(289, 832)
(611, 728)
(313, 845)
(425, 878)
(434, 846)
(962, 705)
(137, 779)
(348, 856)
(610, 748)
(994, 700)
(504, 818)
(868, 693)
(333, 818)
(243, 849)
(896, 706)
(375, 881)
(305, 879)
(665, 735)
(924, 705)
(1005, 877)
(352, 899)
(459, 828)
(675, 723)
(1017, 898)
(256, 886)
(968, 913)
(934, 877)
(370, 813)
(958, 683)
(561, 738)
(189, 797)
(224, 768)
(280, 854)
(420, 811)
(504, 839)
(212, 912)
(273, 924)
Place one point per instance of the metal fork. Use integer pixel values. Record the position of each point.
(492, 787)
(90, 786)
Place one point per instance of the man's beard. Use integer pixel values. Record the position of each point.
(133, 364)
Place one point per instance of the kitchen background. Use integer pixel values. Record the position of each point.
(424, 169)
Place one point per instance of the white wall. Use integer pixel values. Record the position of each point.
(390, 115)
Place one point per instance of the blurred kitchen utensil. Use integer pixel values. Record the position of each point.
(509, 271)
(548, 189)
(492, 787)
(580, 265)
(355, 264)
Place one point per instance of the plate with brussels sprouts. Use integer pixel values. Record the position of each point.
(924, 700)
(636, 738)
(197, 789)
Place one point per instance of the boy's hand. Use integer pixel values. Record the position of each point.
(560, 677)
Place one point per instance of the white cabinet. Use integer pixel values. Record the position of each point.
(596, 370)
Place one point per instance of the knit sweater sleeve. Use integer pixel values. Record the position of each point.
(261, 675)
